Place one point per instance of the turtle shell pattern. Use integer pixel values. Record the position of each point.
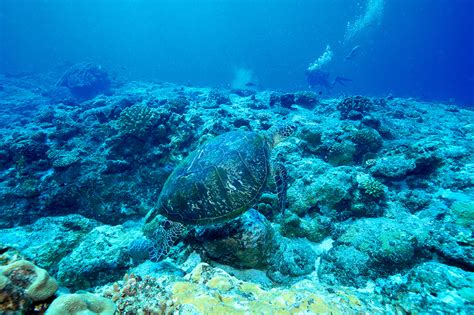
(218, 181)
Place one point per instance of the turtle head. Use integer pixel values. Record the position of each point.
(281, 132)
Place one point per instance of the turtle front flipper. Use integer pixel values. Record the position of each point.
(281, 181)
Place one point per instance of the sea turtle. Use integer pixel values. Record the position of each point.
(222, 178)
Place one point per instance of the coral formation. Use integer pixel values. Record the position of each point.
(207, 290)
(22, 284)
(371, 186)
(63, 159)
(367, 141)
(85, 80)
(83, 303)
(137, 119)
(355, 107)
(311, 135)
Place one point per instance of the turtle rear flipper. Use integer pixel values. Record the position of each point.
(281, 180)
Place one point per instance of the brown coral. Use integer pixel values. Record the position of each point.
(137, 119)
(84, 303)
(22, 284)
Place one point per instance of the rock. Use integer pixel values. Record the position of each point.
(117, 167)
(243, 242)
(162, 268)
(345, 264)
(432, 288)
(306, 99)
(49, 239)
(312, 136)
(464, 212)
(342, 153)
(283, 100)
(291, 258)
(27, 148)
(372, 122)
(333, 189)
(392, 167)
(243, 92)
(216, 98)
(454, 243)
(102, 256)
(372, 248)
(315, 228)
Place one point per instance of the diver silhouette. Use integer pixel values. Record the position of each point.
(316, 76)
(321, 78)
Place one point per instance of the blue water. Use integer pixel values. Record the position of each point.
(420, 49)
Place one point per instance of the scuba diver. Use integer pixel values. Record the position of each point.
(316, 76)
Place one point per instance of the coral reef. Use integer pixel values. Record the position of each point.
(311, 135)
(379, 201)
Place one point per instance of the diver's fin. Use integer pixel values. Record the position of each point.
(281, 180)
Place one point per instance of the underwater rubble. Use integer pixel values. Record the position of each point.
(379, 215)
